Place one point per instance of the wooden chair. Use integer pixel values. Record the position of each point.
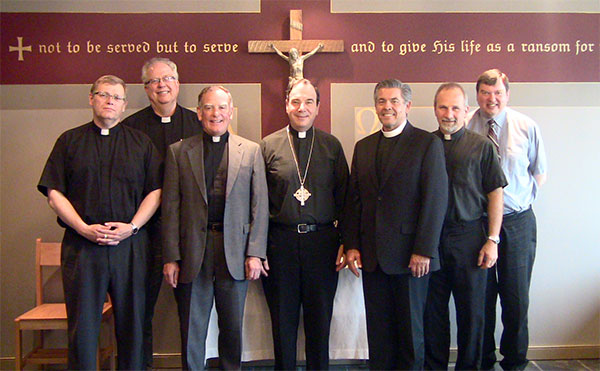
(52, 316)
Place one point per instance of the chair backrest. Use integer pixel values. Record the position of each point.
(47, 254)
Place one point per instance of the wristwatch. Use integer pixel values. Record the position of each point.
(134, 228)
(495, 239)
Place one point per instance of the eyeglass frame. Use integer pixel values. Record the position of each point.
(157, 80)
(106, 96)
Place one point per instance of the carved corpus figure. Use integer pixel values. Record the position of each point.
(296, 61)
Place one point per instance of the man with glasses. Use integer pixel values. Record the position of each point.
(103, 180)
(165, 122)
(518, 141)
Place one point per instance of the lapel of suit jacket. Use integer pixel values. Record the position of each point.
(399, 151)
(235, 153)
(196, 157)
(370, 158)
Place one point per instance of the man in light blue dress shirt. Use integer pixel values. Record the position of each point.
(523, 159)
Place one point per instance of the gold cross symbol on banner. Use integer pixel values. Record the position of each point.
(295, 46)
(20, 48)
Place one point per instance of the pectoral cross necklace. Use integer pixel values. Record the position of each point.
(302, 194)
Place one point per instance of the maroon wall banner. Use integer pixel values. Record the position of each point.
(76, 48)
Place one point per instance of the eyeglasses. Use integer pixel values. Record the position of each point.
(107, 96)
(157, 80)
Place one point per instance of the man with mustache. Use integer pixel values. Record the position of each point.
(523, 159)
(475, 182)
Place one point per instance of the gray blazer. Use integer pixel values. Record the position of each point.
(185, 206)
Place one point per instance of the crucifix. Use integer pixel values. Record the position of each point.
(295, 46)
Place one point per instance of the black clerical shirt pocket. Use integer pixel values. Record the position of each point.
(128, 170)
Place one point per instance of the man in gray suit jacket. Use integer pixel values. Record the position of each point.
(215, 221)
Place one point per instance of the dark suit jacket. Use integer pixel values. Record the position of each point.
(185, 206)
(390, 220)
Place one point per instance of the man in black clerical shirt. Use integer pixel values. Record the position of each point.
(466, 251)
(395, 208)
(165, 122)
(307, 176)
(104, 180)
(215, 220)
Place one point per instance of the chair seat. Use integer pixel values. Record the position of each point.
(51, 316)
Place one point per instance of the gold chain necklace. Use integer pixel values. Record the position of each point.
(302, 194)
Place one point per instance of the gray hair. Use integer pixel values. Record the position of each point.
(108, 79)
(448, 86)
(397, 84)
(214, 87)
(155, 60)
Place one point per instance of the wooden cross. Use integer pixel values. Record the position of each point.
(295, 41)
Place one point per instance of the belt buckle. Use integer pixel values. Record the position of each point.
(302, 228)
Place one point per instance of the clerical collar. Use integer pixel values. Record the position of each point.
(454, 136)
(395, 132)
(164, 119)
(298, 134)
(104, 131)
(217, 138)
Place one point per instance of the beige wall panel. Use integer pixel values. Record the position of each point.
(437, 6)
(132, 6)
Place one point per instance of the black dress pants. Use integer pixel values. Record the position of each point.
(461, 277)
(395, 304)
(302, 273)
(511, 280)
(89, 271)
(154, 278)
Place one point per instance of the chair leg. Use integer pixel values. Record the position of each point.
(113, 346)
(98, 356)
(18, 350)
